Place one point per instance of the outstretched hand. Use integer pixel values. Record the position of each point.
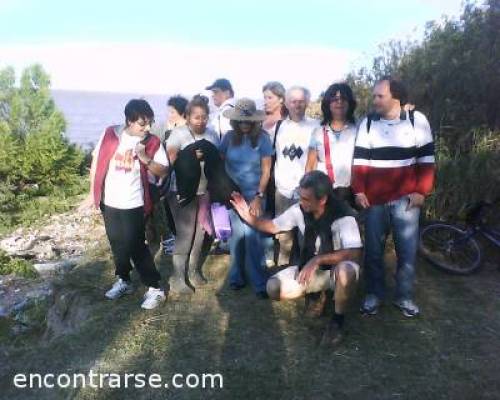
(241, 206)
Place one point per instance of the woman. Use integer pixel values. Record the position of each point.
(276, 112)
(191, 241)
(331, 147)
(274, 106)
(124, 158)
(247, 152)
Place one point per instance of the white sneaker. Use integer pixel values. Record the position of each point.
(152, 298)
(120, 288)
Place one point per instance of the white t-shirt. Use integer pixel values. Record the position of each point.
(292, 144)
(218, 123)
(341, 152)
(123, 185)
(182, 137)
(345, 231)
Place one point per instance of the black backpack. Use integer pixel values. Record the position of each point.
(376, 117)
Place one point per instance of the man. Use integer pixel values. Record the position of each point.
(393, 172)
(223, 98)
(292, 141)
(329, 245)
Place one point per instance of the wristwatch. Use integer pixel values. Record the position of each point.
(260, 195)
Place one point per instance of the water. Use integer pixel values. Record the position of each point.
(89, 113)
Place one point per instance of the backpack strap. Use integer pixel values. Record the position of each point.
(276, 130)
(411, 116)
(328, 160)
(375, 117)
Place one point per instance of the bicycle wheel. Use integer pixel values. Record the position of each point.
(450, 248)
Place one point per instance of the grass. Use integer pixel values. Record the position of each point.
(267, 350)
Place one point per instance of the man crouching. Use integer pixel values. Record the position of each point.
(330, 245)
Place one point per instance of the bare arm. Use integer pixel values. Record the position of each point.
(312, 160)
(172, 154)
(266, 173)
(243, 209)
(157, 169)
(327, 259)
(338, 256)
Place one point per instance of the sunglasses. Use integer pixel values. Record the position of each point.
(338, 99)
(142, 124)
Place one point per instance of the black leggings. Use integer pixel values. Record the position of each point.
(125, 231)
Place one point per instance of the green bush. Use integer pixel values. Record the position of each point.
(17, 266)
(36, 160)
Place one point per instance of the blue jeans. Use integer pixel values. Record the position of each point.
(247, 252)
(379, 219)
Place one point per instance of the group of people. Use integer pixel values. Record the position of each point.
(295, 189)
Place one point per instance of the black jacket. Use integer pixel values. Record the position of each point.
(188, 171)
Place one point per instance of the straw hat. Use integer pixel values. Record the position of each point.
(245, 110)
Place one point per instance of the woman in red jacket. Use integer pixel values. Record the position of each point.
(124, 158)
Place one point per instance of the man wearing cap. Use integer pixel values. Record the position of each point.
(223, 98)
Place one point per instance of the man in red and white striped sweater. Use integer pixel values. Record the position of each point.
(393, 172)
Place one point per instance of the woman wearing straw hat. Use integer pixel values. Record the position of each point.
(247, 151)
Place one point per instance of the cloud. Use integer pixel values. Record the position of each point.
(168, 68)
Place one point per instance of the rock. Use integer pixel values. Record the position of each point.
(56, 248)
(25, 303)
(68, 313)
(56, 268)
(63, 236)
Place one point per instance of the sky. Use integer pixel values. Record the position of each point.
(166, 47)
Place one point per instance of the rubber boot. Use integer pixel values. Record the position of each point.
(177, 281)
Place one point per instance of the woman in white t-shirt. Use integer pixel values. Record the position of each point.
(331, 148)
(191, 241)
(125, 159)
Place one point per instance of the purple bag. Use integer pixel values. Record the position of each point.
(221, 222)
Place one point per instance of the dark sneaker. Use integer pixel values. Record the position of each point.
(407, 307)
(333, 335)
(370, 305)
(262, 295)
(234, 286)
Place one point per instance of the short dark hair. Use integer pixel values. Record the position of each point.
(179, 103)
(138, 108)
(319, 182)
(397, 88)
(198, 101)
(345, 91)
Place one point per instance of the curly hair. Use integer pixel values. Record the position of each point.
(346, 92)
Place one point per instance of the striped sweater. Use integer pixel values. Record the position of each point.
(394, 159)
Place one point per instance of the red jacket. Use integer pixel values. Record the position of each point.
(107, 150)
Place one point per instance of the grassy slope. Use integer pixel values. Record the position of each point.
(266, 350)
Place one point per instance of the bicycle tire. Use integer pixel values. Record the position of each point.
(447, 255)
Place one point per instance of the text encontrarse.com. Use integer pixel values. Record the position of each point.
(96, 380)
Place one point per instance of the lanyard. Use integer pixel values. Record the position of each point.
(328, 160)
